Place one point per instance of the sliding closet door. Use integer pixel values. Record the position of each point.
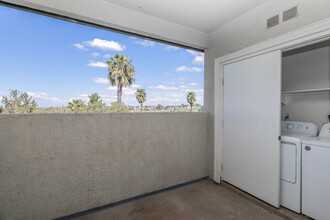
(252, 108)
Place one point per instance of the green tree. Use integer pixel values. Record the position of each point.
(118, 107)
(94, 98)
(121, 73)
(159, 107)
(18, 102)
(1, 109)
(76, 105)
(95, 104)
(141, 96)
(191, 99)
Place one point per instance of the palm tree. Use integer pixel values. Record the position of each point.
(121, 73)
(141, 96)
(191, 99)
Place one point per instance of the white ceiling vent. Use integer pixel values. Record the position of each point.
(290, 13)
(273, 21)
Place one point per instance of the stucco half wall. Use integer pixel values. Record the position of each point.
(52, 165)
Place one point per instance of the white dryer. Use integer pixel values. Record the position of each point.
(316, 175)
(290, 182)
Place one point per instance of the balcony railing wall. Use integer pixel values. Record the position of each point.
(52, 165)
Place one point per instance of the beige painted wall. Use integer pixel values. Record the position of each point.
(52, 165)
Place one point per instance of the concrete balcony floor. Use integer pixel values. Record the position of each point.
(201, 200)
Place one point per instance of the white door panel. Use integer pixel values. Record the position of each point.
(252, 97)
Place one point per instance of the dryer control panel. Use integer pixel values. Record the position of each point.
(299, 127)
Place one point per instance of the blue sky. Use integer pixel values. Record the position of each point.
(56, 61)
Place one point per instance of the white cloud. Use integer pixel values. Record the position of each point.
(112, 88)
(136, 86)
(97, 64)
(162, 87)
(95, 54)
(199, 60)
(105, 45)
(44, 96)
(167, 99)
(183, 87)
(188, 69)
(193, 84)
(171, 48)
(194, 53)
(83, 97)
(106, 56)
(101, 80)
(1, 95)
(181, 78)
(145, 43)
(194, 90)
(126, 90)
(132, 86)
(198, 57)
(80, 46)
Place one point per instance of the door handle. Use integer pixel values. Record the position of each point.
(308, 148)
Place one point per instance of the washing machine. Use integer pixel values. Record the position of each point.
(291, 134)
(316, 175)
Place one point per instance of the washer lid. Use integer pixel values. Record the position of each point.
(292, 137)
(316, 141)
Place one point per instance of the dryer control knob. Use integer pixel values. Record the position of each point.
(289, 126)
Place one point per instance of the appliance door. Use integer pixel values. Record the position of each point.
(316, 182)
(252, 109)
(289, 162)
(291, 175)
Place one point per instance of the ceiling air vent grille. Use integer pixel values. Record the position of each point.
(290, 13)
(273, 21)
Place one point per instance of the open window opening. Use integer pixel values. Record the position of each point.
(49, 65)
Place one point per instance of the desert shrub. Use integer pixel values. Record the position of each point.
(118, 107)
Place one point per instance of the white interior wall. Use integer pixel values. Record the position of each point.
(308, 107)
(105, 13)
(303, 69)
(249, 29)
